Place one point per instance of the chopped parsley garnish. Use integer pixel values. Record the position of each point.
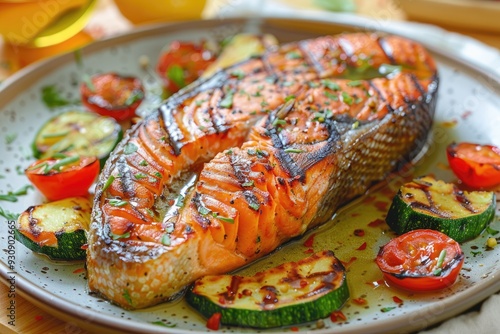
(158, 175)
(289, 97)
(264, 104)
(161, 323)
(203, 210)
(312, 84)
(143, 163)
(130, 148)
(387, 309)
(355, 125)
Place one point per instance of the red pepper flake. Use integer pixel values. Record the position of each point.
(294, 329)
(337, 316)
(376, 222)
(397, 300)
(309, 251)
(351, 261)
(381, 205)
(309, 242)
(466, 114)
(84, 246)
(171, 202)
(213, 322)
(79, 270)
(359, 301)
(303, 283)
(362, 247)
(359, 232)
(38, 317)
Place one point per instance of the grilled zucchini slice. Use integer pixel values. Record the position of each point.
(79, 132)
(292, 293)
(56, 229)
(427, 203)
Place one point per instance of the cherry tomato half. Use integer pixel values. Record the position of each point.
(182, 63)
(477, 166)
(421, 260)
(113, 95)
(67, 176)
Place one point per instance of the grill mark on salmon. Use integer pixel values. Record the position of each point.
(298, 140)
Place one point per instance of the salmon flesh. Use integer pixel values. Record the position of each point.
(233, 166)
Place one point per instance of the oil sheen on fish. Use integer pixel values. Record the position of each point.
(268, 148)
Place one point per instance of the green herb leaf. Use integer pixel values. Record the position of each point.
(289, 97)
(278, 122)
(130, 148)
(238, 73)
(9, 139)
(23, 190)
(180, 201)
(330, 84)
(203, 210)
(491, 231)
(225, 219)
(140, 176)
(135, 96)
(143, 163)
(120, 236)
(117, 202)
(331, 96)
(127, 297)
(248, 184)
(227, 101)
(161, 323)
(52, 98)
(165, 239)
(8, 215)
(87, 80)
(387, 309)
(110, 180)
(355, 83)
(61, 163)
(158, 175)
(254, 206)
(8, 198)
(293, 150)
(55, 135)
(347, 99)
(176, 74)
(293, 55)
(386, 69)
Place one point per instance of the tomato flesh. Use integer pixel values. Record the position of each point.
(70, 180)
(213, 322)
(477, 166)
(113, 95)
(411, 261)
(182, 63)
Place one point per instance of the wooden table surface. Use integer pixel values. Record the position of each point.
(33, 320)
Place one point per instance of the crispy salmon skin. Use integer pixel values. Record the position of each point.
(235, 165)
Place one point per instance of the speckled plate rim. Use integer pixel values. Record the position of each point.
(102, 323)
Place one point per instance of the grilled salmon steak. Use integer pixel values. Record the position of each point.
(233, 166)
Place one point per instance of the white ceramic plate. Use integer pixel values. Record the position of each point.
(468, 110)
